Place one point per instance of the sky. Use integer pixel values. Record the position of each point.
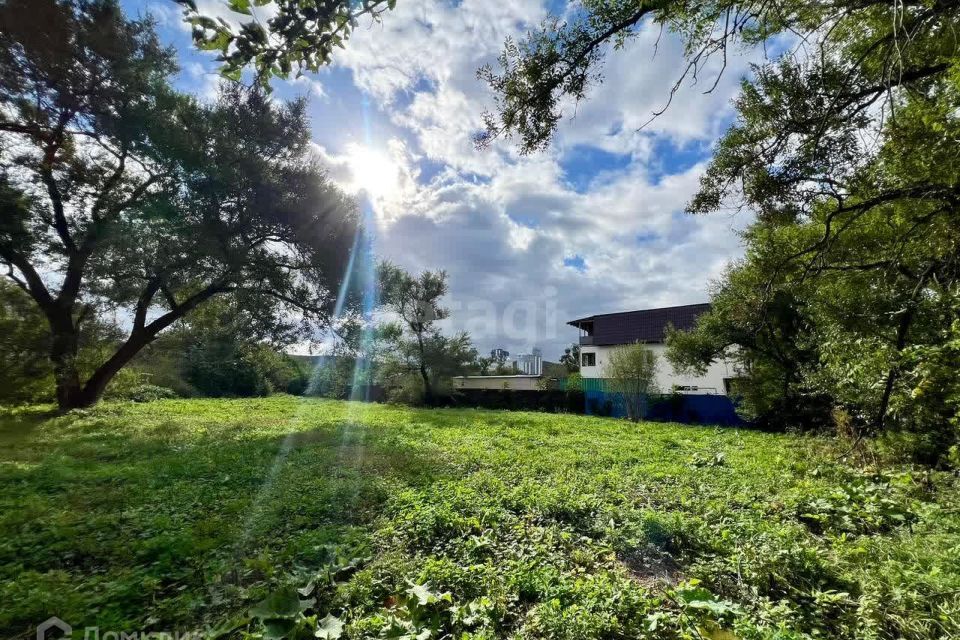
(595, 224)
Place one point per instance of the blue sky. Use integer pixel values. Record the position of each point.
(592, 225)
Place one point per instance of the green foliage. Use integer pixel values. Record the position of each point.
(631, 372)
(135, 386)
(26, 372)
(852, 266)
(298, 34)
(571, 358)
(222, 350)
(928, 411)
(291, 517)
(334, 377)
(184, 202)
(417, 360)
(771, 342)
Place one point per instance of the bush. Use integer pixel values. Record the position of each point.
(409, 390)
(929, 411)
(136, 386)
(332, 377)
(147, 393)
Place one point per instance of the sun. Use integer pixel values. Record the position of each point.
(373, 171)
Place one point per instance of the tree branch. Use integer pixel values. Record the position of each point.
(33, 282)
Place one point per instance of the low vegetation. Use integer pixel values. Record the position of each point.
(291, 517)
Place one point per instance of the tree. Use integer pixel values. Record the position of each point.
(118, 192)
(222, 349)
(571, 358)
(481, 366)
(418, 344)
(334, 377)
(299, 34)
(864, 54)
(631, 372)
(26, 374)
(417, 302)
(845, 149)
(770, 340)
(401, 365)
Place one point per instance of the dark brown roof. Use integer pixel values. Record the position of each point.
(648, 325)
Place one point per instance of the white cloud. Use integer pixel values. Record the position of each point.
(638, 82)
(205, 81)
(501, 224)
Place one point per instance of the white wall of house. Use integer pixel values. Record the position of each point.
(709, 383)
(513, 383)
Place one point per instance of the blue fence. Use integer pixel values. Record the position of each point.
(688, 408)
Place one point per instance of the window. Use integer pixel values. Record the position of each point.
(730, 386)
(588, 359)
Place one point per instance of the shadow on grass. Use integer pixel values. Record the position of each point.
(19, 423)
(172, 519)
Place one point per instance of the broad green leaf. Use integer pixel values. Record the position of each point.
(281, 604)
(330, 628)
(240, 6)
(422, 594)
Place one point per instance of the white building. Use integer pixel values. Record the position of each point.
(601, 334)
(520, 382)
(530, 363)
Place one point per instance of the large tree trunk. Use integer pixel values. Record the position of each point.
(64, 346)
(97, 384)
(142, 334)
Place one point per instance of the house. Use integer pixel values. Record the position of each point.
(517, 382)
(601, 334)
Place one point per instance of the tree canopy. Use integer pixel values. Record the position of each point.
(631, 372)
(418, 345)
(118, 192)
(844, 148)
(299, 35)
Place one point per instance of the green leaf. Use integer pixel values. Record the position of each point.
(203, 22)
(226, 628)
(231, 73)
(281, 604)
(240, 6)
(718, 608)
(422, 594)
(278, 628)
(330, 628)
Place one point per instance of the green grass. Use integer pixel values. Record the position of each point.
(182, 515)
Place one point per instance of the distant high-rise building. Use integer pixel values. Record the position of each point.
(530, 364)
(500, 355)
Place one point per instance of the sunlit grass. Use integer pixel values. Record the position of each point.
(175, 514)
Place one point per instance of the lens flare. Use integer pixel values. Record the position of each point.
(373, 172)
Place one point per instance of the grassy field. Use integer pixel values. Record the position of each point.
(307, 518)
